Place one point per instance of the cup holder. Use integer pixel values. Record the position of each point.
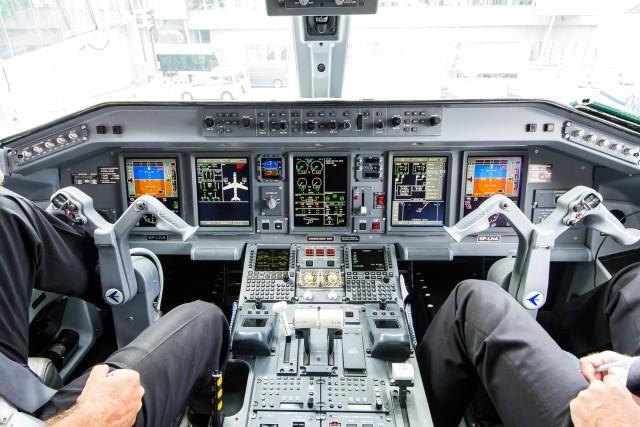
(235, 380)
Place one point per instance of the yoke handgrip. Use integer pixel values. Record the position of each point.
(166, 219)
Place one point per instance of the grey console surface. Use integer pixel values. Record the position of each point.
(335, 369)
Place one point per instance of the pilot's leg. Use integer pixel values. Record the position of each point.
(38, 250)
(175, 358)
(482, 335)
(607, 317)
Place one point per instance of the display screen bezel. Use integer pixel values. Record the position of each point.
(495, 154)
(390, 188)
(348, 186)
(250, 170)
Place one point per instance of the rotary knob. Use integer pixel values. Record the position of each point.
(307, 295)
(435, 120)
(49, 144)
(262, 126)
(332, 278)
(61, 140)
(73, 135)
(332, 295)
(333, 126)
(245, 122)
(209, 122)
(396, 121)
(271, 203)
(311, 126)
(578, 133)
(308, 278)
(380, 125)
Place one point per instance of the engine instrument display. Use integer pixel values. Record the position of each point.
(490, 175)
(157, 177)
(223, 187)
(419, 191)
(272, 259)
(320, 191)
(368, 260)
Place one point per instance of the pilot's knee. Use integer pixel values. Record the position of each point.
(481, 297)
(208, 314)
(483, 288)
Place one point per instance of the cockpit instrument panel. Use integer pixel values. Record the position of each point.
(223, 192)
(418, 191)
(320, 188)
(490, 175)
(157, 177)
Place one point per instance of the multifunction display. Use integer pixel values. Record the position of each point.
(368, 260)
(272, 259)
(490, 175)
(223, 192)
(320, 191)
(157, 177)
(419, 191)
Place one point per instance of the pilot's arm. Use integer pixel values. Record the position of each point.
(108, 399)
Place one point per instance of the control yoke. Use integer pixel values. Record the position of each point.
(530, 277)
(116, 268)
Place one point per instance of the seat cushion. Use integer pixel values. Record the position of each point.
(45, 369)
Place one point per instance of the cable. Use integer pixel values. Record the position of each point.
(156, 261)
(412, 330)
(232, 320)
(595, 260)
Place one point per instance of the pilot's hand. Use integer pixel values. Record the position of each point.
(588, 364)
(605, 403)
(109, 399)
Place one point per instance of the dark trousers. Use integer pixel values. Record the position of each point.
(481, 338)
(608, 317)
(175, 356)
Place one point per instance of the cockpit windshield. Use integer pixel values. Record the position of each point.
(57, 57)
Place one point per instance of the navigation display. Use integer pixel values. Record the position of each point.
(272, 260)
(223, 192)
(157, 177)
(419, 191)
(320, 191)
(368, 260)
(490, 175)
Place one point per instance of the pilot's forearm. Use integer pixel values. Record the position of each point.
(72, 417)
